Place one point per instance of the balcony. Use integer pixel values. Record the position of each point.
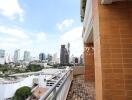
(71, 86)
(81, 90)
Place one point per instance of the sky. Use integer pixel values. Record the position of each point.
(40, 26)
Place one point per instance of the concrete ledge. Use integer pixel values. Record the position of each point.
(78, 70)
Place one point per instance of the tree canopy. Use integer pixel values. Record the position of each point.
(22, 93)
(33, 67)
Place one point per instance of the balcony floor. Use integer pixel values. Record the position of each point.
(81, 90)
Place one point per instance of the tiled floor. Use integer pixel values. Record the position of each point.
(81, 90)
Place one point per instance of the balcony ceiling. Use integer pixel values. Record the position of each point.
(110, 1)
(83, 6)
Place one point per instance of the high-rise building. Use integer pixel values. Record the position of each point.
(54, 57)
(2, 56)
(81, 59)
(49, 57)
(72, 59)
(17, 55)
(41, 56)
(64, 55)
(68, 51)
(26, 56)
(76, 60)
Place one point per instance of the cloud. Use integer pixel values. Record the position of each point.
(26, 43)
(12, 38)
(41, 36)
(7, 45)
(74, 37)
(13, 32)
(11, 9)
(8, 39)
(65, 24)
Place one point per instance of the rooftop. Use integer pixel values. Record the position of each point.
(39, 91)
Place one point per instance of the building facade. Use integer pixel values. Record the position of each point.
(17, 55)
(27, 56)
(68, 51)
(49, 57)
(81, 59)
(42, 56)
(107, 35)
(64, 55)
(2, 56)
(54, 59)
(76, 60)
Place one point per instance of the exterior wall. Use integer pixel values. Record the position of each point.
(97, 50)
(2, 56)
(113, 50)
(89, 62)
(78, 70)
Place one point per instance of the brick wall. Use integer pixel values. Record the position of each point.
(113, 50)
(97, 50)
(89, 62)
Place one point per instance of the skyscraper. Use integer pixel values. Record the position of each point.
(2, 56)
(26, 56)
(81, 59)
(72, 59)
(76, 60)
(54, 57)
(49, 57)
(64, 55)
(41, 56)
(68, 51)
(17, 55)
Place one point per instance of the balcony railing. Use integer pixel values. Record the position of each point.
(60, 89)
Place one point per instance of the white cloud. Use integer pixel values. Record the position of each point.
(13, 32)
(11, 9)
(65, 24)
(17, 38)
(12, 38)
(41, 36)
(74, 37)
(8, 39)
(7, 45)
(28, 42)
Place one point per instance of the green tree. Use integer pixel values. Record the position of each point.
(22, 93)
(34, 67)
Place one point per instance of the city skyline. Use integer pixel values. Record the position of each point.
(19, 55)
(38, 26)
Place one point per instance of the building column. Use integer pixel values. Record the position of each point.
(113, 50)
(89, 61)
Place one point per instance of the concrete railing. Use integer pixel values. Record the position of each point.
(78, 70)
(60, 92)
